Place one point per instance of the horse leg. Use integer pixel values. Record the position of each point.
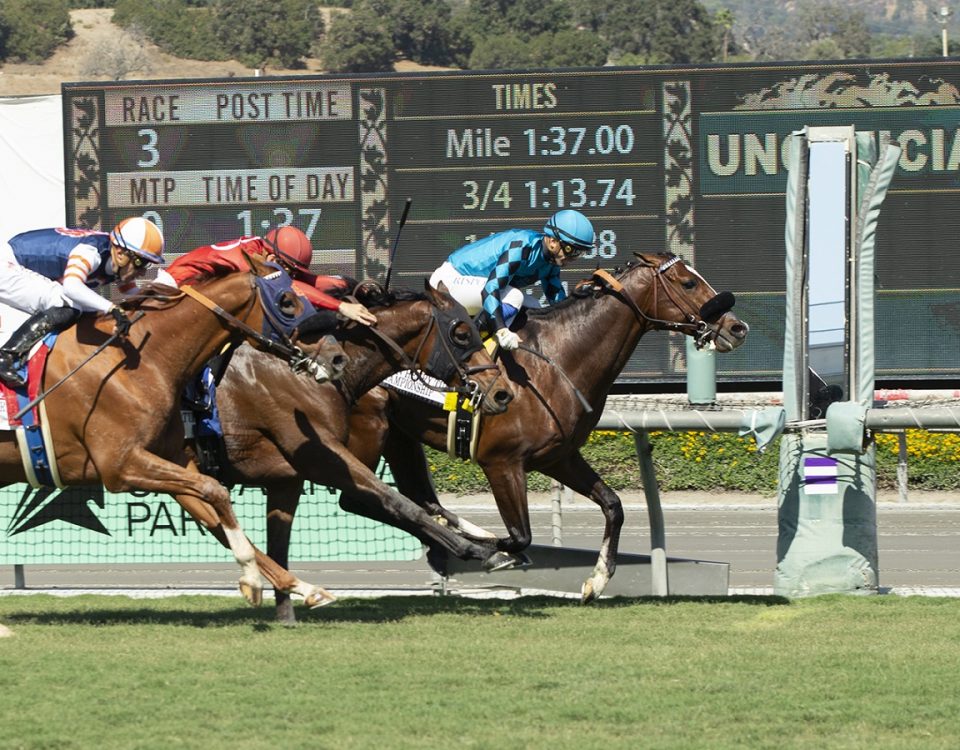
(282, 501)
(145, 471)
(509, 484)
(365, 494)
(283, 581)
(411, 472)
(579, 476)
(371, 437)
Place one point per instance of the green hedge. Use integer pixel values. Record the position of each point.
(717, 461)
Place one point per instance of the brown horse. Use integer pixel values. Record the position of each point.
(276, 436)
(590, 338)
(116, 421)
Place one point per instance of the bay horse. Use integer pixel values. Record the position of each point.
(276, 436)
(116, 420)
(590, 336)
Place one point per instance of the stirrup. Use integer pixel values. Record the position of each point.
(9, 374)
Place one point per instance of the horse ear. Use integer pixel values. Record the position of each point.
(254, 268)
(649, 259)
(439, 296)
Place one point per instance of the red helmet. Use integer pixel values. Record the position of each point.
(291, 245)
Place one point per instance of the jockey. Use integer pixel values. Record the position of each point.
(288, 247)
(52, 274)
(486, 274)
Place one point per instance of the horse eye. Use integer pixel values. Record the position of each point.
(288, 303)
(461, 334)
(690, 284)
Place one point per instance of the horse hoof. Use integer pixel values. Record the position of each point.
(253, 594)
(501, 560)
(587, 594)
(437, 560)
(286, 614)
(319, 598)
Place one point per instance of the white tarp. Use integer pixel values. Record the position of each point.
(31, 158)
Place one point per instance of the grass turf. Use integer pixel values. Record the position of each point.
(417, 672)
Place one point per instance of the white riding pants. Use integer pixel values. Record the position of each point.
(25, 289)
(468, 290)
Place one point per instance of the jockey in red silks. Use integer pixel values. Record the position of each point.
(286, 246)
(52, 274)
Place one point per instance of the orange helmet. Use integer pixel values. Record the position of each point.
(138, 236)
(290, 244)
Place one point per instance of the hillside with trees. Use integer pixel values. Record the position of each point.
(280, 36)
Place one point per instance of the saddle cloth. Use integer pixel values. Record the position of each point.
(404, 382)
(14, 399)
(463, 423)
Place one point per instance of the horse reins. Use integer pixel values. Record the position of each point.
(694, 322)
(470, 387)
(284, 349)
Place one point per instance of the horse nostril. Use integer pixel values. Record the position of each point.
(503, 397)
(339, 362)
(740, 330)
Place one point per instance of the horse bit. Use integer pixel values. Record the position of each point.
(696, 323)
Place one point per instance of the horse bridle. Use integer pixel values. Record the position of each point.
(695, 323)
(285, 348)
(453, 363)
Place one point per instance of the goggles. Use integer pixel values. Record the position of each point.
(571, 251)
(138, 261)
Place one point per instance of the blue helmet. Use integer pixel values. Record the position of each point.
(571, 227)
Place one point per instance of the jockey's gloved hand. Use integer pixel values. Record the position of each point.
(507, 339)
(121, 321)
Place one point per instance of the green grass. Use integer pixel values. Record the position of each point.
(422, 672)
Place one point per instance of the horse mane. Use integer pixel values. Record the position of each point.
(587, 288)
(152, 296)
(372, 294)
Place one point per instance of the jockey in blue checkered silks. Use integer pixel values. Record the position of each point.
(489, 274)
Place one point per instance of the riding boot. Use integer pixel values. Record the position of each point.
(22, 340)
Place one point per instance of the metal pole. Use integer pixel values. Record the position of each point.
(943, 16)
(19, 579)
(902, 465)
(659, 584)
(557, 515)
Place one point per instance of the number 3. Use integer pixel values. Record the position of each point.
(150, 147)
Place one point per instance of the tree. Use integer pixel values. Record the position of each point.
(653, 31)
(568, 48)
(500, 51)
(118, 57)
(262, 32)
(30, 30)
(421, 29)
(176, 26)
(358, 42)
(523, 19)
(723, 19)
(826, 30)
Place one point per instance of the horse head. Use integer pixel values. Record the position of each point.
(444, 342)
(667, 294)
(263, 308)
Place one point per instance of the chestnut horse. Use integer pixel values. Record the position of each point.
(276, 436)
(116, 420)
(589, 337)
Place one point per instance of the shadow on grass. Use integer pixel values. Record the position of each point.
(88, 610)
